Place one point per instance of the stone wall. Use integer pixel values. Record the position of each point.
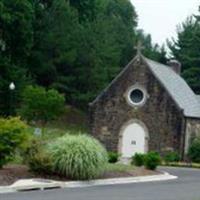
(192, 131)
(161, 116)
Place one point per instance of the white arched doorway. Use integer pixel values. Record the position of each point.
(133, 139)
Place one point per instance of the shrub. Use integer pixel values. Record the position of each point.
(171, 157)
(138, 159)
(78, 157)
(37, 157)
(113, 157)
(194, 151)
(152, 160)
(41, 105)
(13, 134)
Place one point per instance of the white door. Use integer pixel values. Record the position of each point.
(133, 140)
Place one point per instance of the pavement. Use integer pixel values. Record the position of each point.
(186, 187)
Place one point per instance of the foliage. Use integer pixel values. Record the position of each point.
(40, 163)
(16, 30)
(151, 50)
(37, 157)
(113, 157)
(77, 157)
(41, 105)
(152, 160)
(89, 52)
(16, 39)
(74, 46)
(10, 99)
(186, 49)
(194, 150)
(138, 159)
(86, 9)
(171, 157)
(13, 134)
(72, 120)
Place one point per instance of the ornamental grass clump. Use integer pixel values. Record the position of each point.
(78, 157)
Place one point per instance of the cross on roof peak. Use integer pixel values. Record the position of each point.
(139, 47)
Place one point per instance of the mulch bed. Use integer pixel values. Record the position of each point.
(138, 171)
(11, 173)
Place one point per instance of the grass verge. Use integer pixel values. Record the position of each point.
(182, 164)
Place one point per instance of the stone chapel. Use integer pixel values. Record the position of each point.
(147, 107)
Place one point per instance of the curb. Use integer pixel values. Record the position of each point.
(114, 181)
(41, 184)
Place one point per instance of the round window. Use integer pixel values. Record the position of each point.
(136, 97)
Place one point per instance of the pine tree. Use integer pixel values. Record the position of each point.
(187, 49)
(16, 40)
(153, 51)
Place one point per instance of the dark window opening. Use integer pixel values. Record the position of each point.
(136, 96)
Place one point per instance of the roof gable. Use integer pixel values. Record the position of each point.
(176, 87)
(115, 79)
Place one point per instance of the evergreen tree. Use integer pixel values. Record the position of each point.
(55, 32)
(82, 45)
(16, 39)
(16, 31)
(75, 46)
(153, 51)
(186, 49)
(10, 99)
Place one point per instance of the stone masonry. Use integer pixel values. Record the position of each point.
(160, 114)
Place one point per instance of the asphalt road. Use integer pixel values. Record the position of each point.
(186, 187)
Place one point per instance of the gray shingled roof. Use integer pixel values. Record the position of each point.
(198, 98)
(177, 88)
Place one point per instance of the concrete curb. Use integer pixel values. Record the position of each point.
(114, 181)
(41, 184)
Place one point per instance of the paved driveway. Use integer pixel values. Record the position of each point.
(187, 187)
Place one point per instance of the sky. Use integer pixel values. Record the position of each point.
(161, 17)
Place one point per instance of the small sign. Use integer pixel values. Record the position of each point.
(38, 132)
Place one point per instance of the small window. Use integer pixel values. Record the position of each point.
(136, 96)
